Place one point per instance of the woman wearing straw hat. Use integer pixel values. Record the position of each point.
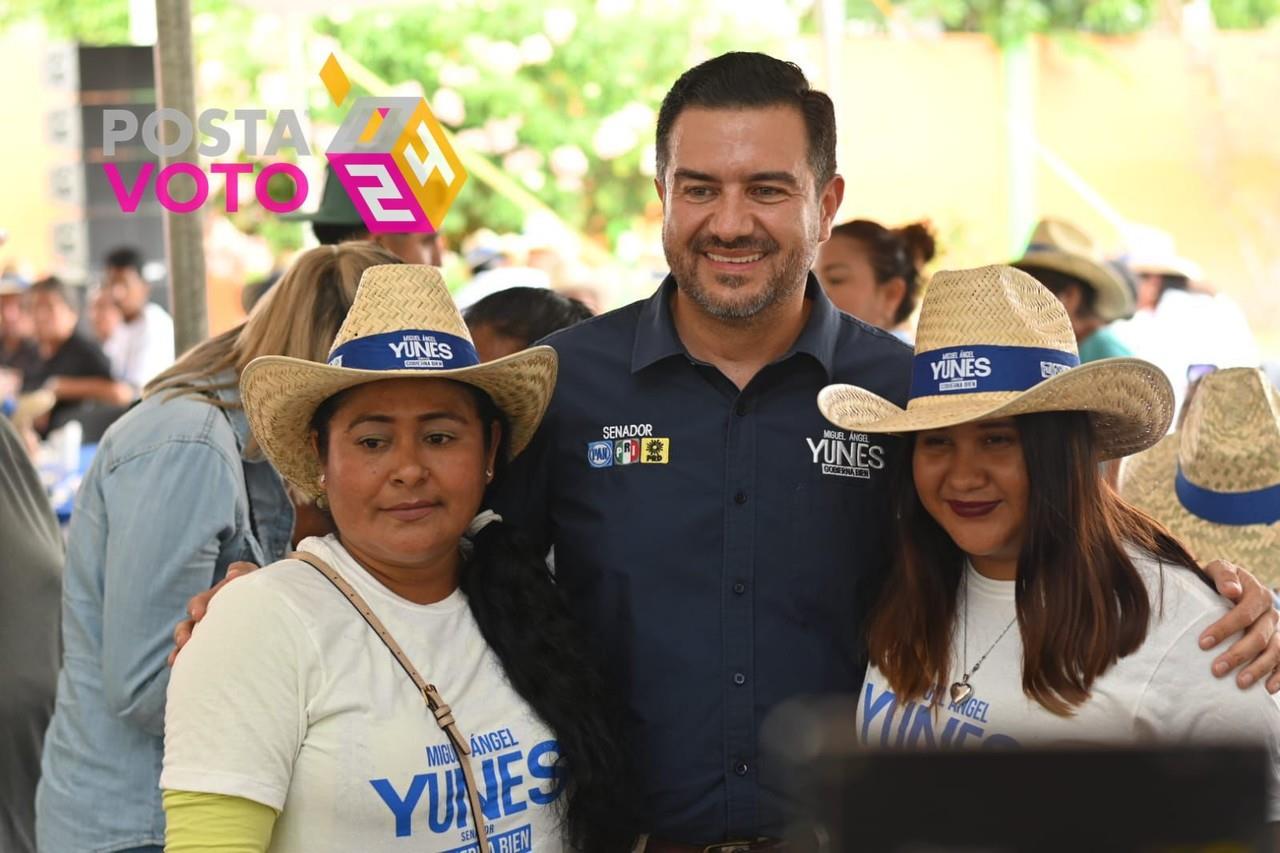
(178, 491)
(414, 674)
(1216, 481)
(1028, 604)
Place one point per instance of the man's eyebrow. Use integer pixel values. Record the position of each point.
(777, 177)
(773, 178)
(693, 175)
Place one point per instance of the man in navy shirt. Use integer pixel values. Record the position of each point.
(717, 536)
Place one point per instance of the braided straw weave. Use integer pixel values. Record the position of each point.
(1064, 248)
(1129, 401)
(282, 394)
(1229, 442)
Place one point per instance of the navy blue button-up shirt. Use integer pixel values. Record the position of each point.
(719, 545)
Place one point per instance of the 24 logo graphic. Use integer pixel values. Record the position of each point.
(393, 159)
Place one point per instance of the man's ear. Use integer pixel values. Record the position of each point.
(829, 202)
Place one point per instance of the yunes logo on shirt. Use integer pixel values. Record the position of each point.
(628, 444)
(846, 454)
(510, 779)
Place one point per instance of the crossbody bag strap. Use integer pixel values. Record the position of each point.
(439, 709)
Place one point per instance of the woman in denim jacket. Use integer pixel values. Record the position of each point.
(177, 491)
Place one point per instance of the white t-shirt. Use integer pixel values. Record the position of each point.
(1162, 693)
(142, 348)
(285, 696)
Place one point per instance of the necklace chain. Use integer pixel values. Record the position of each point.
(970, 672)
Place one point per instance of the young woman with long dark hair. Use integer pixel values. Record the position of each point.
(1028, 603)
(414, 674)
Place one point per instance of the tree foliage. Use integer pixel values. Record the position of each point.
(1011, 21)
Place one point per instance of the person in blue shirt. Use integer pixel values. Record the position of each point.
(719, 539)
(177, 491)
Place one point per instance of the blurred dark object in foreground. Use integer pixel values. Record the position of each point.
(999, 801)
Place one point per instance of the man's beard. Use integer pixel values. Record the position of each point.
(787, 277)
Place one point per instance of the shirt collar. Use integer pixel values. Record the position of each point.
(656, 336)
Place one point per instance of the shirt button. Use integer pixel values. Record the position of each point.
(739, 587)
(739, 679)
(740, 410)
(741, 768)
(740, 498)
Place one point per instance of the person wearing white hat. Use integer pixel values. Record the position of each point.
(1216, 481)
(296, 712)
(1181, 322)
(1028, 604)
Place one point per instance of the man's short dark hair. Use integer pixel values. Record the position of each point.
(331, 235)
(527, 314)
(753, 81)
(125, 258)
(53, 286)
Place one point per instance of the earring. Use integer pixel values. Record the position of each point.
(322, 479)
(488, 474)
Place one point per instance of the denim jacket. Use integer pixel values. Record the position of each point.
(168, 503)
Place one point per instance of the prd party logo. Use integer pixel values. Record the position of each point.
(390, 155)
(392, 158)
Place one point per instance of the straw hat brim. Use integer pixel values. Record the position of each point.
(281, 395)
(1130, 403)
(1147, 482)
(1112, 300)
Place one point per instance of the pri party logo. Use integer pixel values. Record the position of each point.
(390, 154)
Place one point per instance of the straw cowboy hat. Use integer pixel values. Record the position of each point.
(1060, 246)
(1216, 482)
(992, 343)
(401, 325)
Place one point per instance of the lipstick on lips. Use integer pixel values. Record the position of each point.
(972, 509)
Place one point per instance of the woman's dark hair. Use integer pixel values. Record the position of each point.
(526, 621)
(1081, 603)
(1058, 282)
(894, 253)
(742, 80)
(527, 314)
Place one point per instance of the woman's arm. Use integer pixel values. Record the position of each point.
(237, 706)
(1180, 705)
(168, 512)
(215, 823)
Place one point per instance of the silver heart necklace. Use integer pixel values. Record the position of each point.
(962, 690)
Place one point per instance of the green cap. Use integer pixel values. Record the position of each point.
(335, 208)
